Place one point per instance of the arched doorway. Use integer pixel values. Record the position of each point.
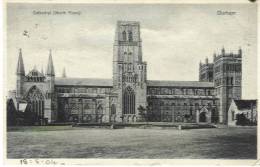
(129, 101)
(203, 117)
(35, 100)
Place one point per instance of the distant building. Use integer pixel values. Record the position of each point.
(122, 98)
(206, 71)
(242, 112)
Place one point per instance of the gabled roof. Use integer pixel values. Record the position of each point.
(245, 104)
(35, 73)
(84, 82)
(198, 84)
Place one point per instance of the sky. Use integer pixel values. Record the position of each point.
(175, 38)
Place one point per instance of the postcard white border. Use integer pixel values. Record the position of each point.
(150, 162)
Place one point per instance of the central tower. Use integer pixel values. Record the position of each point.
(129, 71)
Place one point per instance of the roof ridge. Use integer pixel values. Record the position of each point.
(178, 81)
(246, 100)
(82, 78)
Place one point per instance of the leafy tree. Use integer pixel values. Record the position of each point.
(142, 112)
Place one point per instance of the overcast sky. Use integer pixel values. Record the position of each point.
(175, 38)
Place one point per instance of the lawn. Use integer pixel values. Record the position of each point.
(78, 142)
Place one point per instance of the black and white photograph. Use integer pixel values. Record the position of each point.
(130, 81)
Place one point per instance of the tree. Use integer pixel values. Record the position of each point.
(142, 112)
(149, 114)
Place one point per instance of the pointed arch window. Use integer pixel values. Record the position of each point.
(35, 99)
(100, 109)
(129, 101)
(124, 35)
(113, 109)
(130, 36)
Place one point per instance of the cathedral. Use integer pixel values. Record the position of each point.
(129, 97)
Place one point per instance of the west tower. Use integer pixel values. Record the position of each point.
(129, 71)
(227, 80)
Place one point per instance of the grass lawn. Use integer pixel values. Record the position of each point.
(79, 142)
